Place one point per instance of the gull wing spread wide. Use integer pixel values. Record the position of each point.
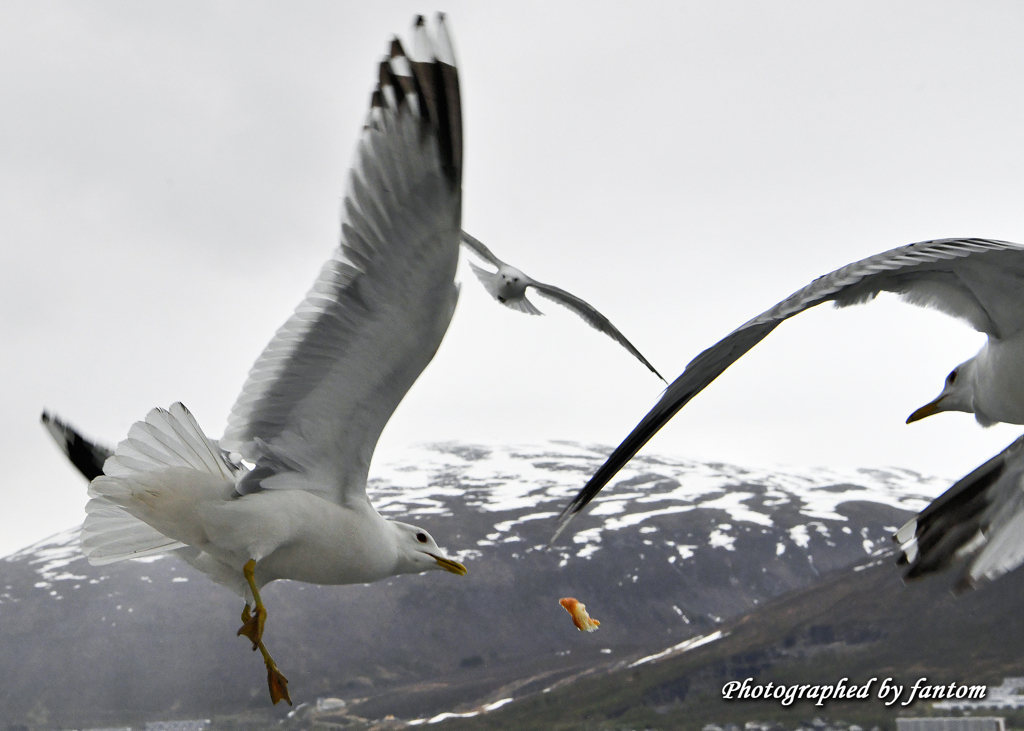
(981, 517)
(316, 400)
(593, 318)
(587, 312)
(977, 280)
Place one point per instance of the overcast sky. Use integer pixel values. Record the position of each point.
(171, 174)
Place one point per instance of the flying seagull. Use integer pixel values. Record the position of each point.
(977, 280)
(508, 286)
(283, 494)
(980, 519)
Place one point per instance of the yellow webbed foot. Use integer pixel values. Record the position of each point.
(252, 625)
(275, 680)
(278, 684)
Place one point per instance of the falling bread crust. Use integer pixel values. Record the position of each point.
(579, 614)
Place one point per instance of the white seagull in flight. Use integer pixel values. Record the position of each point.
(977, 280)
(508, 286)
(283, 494)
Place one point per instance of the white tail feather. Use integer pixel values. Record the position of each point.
(166, 440)
(110, 534)
(523, 305)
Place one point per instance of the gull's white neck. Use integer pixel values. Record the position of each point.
(998, 381)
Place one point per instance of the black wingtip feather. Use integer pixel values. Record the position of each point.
(87, 457)
(675, 397)
(435, 83)
(388, 78)
(655, 419)
(449, 122)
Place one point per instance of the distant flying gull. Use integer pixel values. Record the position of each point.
(977, 280)
(978, 522)
(508, 286)
(283, 495)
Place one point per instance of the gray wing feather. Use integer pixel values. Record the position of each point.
(523, 305)
(977, 280)
(477, 247)
(593, 318)
(486, 278)
(318, 397)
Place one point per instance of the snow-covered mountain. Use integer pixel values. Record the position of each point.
(670, 551)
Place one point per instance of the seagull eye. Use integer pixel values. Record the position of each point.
(951, 378)
(421, 537)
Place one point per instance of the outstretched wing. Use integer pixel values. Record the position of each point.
(981, 516)
(316, 400)
(477, 247)
(593, 318)
(978, 280)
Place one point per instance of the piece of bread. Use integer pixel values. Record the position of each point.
(579, 614)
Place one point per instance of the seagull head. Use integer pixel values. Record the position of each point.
(417, 551)
(957, 393)
(510, 283)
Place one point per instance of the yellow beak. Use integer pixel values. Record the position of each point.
(448, 565)
(926, 410)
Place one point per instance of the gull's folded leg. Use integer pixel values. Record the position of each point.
(252, 624)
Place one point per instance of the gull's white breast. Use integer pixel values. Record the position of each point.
(297, 535)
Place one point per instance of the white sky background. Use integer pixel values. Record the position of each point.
(171, 174)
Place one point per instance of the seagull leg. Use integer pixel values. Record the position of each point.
(252, 624)
(275, 679)
(252, 627)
